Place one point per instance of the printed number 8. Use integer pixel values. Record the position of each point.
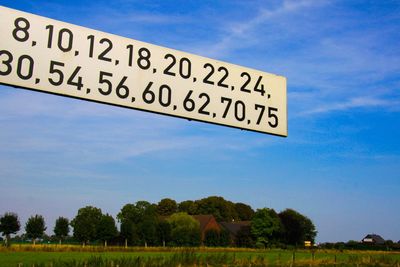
(21, 28)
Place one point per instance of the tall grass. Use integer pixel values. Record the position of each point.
(196, 257)
(79, 248)
(190, 259)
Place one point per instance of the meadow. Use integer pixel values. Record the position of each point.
(71, 256)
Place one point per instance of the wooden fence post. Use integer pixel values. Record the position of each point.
(294, 257)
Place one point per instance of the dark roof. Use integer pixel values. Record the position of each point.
(377, 239)
(203, 220)
(234, 227)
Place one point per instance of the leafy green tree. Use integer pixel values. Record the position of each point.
(211, 238)
(9, 224)
(127, 213)
(220, 208)
(224, 238)
(141, 208)
(167, 207)
(215, 238)
(244, 211)
(128, 232)
(61, 228)
(185, 230)
(138, 223)
(85, 224)
(148, 226)
(164, 232)
(266, 227)
(297, 227)
(244, 238)
(106, 230)
(133, 212)
(188, 206)
(309, 229)
(127, 218)
(35, 227)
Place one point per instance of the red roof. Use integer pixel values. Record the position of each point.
(203, 220)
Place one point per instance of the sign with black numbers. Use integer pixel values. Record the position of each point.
(55, 57)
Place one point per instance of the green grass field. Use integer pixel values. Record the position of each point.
(97, 256)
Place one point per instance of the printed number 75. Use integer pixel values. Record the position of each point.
(273, 122)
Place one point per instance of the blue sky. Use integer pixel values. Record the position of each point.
(340, 164)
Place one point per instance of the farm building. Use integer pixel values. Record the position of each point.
(373, 239)
(207, 222)
(235, 228)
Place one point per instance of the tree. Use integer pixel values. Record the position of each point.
(211, 238)
(215, 238)
(141, 207)
(85, 223)
(185, 230)
(224, 238)
(244, 211)
(148, 225)
(106, 229)
(309, 230)
(127, 218)
(127, 232)
(35, 227)
(297, 227)
(138, 223)
(244, 238)
(266, 227)
(166, 207)
(188, 206)
(133, 212)
(9, 224)
(164, 232)
(61, 228)
(220, 208)
(127, 213)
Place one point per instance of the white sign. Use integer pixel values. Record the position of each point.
(59, 58)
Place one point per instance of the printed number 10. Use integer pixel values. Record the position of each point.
(65, 38)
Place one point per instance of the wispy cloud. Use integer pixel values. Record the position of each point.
(358, 102)
(241, 31)
(59, 154)
(57, 129)
(155, 18)
(331, 59)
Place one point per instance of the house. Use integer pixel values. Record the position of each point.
(373, 239)
(207, 222)
(234, 228)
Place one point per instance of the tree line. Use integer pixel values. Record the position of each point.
(388, 245)
(169, 223)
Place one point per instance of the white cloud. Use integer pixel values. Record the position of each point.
(358, 102)
(39, 130)
(327, 54)
(155, 18)
(240, 32)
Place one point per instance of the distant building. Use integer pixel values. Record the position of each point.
(207, 222)
(234, 228)
(373, 239)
